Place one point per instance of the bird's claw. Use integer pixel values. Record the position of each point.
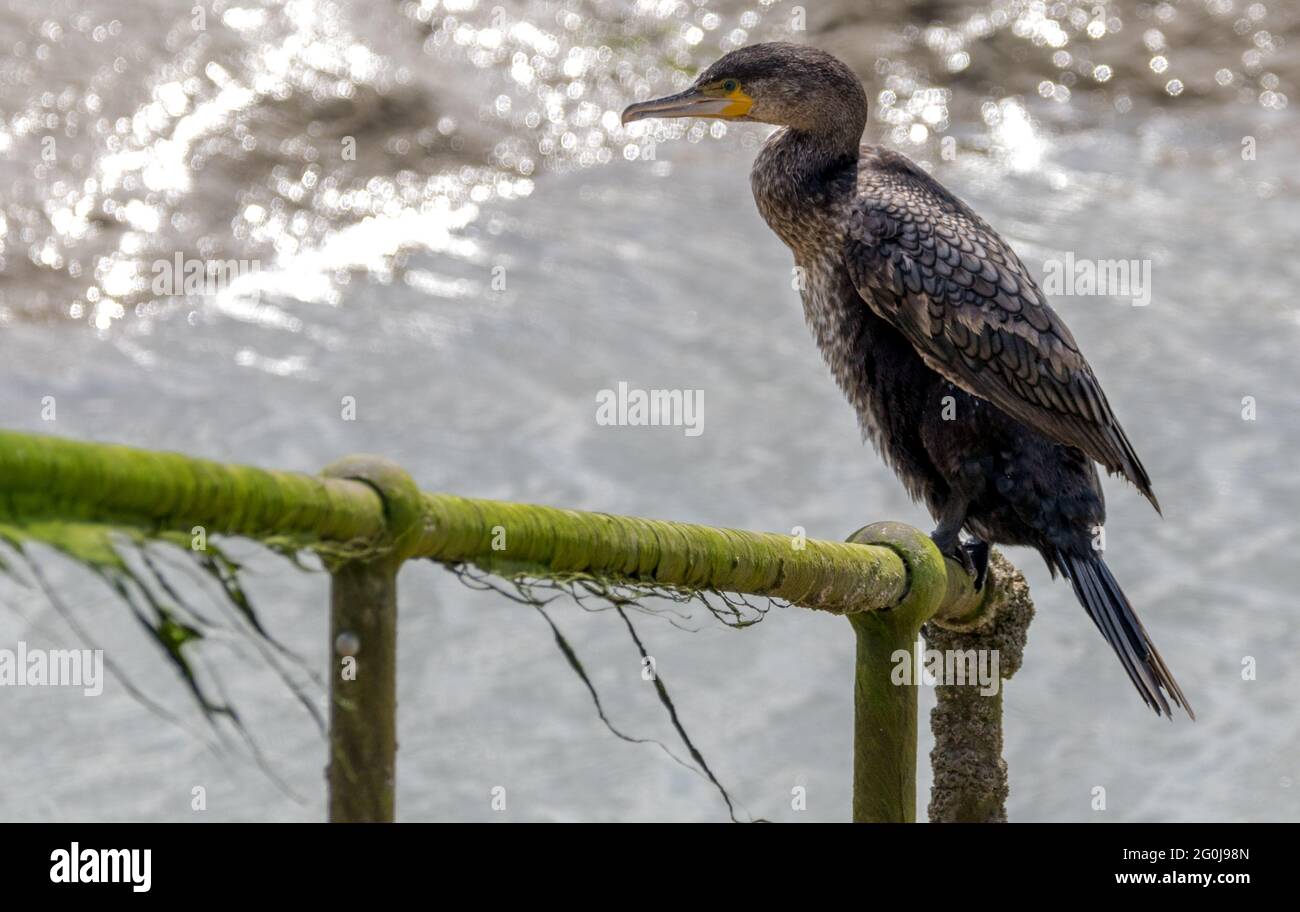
(977, 553)
(973, 557)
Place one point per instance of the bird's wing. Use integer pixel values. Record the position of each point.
(934, 269)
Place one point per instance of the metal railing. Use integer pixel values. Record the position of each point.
(366, 517)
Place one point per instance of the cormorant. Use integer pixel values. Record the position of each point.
(968, 384)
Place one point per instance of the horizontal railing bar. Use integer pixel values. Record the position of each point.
(43, 477)
(831, 576)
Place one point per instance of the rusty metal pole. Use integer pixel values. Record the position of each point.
(362, 770)
(363, 692)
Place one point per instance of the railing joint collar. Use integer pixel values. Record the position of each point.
(404, 514)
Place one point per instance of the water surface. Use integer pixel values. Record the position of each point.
(486, 147)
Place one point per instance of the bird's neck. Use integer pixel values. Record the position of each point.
(822, 153)
(797, 171)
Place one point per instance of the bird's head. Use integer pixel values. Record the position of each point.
(777, 83)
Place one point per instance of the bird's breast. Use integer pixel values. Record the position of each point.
(808, 208)
(834, 313)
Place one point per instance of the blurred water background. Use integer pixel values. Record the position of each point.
(441, 217)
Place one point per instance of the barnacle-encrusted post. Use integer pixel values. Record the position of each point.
(970, 775)
(363, 642)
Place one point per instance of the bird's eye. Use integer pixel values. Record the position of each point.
(730, 85)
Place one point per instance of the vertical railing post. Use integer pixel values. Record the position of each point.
(363, 691)
(884, 722)
(362, 772)
(884, 711)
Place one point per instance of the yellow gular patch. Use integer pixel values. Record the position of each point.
(740, 104)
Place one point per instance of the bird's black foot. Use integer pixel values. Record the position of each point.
(978, 552)
(972, 555)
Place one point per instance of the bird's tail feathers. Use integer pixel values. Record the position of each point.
(1110, 610)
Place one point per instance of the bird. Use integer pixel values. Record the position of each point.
(966, 382)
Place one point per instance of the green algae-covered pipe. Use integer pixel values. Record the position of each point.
(54, 478)
(45, 477)
(509, 538)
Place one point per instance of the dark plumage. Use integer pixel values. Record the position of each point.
(968, 384)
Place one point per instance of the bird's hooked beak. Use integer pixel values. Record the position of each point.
(691, 103)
